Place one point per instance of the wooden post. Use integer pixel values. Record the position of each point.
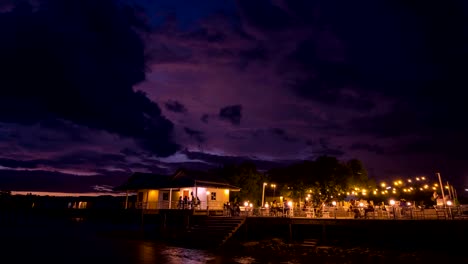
(126, 200)
(441, 188)
(449, 191)
(324, 233)
(170, 198)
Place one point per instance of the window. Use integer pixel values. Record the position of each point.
(165, 197)
(213, 196)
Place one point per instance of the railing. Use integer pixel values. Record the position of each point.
(342, 212)
(211, 205)
(388, 212)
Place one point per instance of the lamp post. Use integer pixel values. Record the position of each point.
(441, 189)
(334, 205)
(274, 189)
(263, 194)
(449, 205)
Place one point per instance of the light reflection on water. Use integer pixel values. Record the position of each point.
(153, 252)
(60, 244)
(176, 255)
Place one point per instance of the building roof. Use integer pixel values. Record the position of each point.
(181, 178)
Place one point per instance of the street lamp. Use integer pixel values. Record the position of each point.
(263, 194)
(334, 205)
(274, 189)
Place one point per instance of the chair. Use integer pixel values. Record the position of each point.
(388, 211)
(418, 213)
(441, 212)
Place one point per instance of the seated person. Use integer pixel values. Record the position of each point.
(370, 208)
(286, 207)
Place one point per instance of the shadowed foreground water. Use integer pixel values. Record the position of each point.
(80, 243)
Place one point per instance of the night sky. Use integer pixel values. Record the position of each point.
(95, 90)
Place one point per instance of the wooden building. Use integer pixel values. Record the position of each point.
(185, 189)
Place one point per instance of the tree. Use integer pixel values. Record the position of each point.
(247, 178)
(323, 179)
(357, 174)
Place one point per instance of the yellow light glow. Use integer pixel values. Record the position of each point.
(334, 203)
(207, 192)
(226, 191)
(436, 185)
(434, 188)
(423, 178)
(392, 202)
(417, 178)
(409, 180)
(383, 184)
(426, 186)
(400, 182)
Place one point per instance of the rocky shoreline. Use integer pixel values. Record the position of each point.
(276, 250)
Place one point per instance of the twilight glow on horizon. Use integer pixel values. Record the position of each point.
(91, 91)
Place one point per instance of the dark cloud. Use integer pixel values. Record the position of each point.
(195, 134)
(399, 121)
(175, 106)
(281, 133)
(449, 147)
(329, 152)
(324, 149)
(78, 160)
(374, 148)
(232, 114)
(204, 118)
(78, 61)
(264, 15)
(216, 161)
(160, 53)
(11, 163)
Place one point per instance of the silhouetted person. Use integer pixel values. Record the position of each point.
(181, 203)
